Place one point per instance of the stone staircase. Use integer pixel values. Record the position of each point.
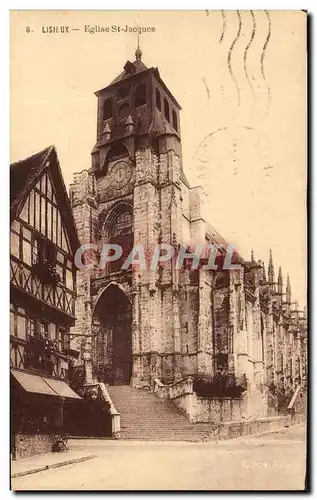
(146, 417)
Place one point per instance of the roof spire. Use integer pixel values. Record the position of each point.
(252, 256)
(280, 281)
(138, 52)
(271, 269)
(288, 290)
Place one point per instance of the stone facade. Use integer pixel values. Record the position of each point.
(136, 324)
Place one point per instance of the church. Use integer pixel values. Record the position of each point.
(147, 327)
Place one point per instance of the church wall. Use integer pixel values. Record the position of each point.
(82, 212)
(189, 318)
(221, 323)
(180, 325)
(186, 233)
(185, 201)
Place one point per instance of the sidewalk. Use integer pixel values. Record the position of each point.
(38, 463)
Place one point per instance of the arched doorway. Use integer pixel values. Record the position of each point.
(112, 321)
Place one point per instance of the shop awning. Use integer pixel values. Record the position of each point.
(43, 385)
(61, 388)
(33, 383)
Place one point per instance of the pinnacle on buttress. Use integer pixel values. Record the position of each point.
(129, 124)
(252, 256)
(288, 290)
(280, 281)
(264, 273)
(271, 269)
(106, 132)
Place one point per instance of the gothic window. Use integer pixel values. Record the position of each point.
(124, 110)
(122, 224)
(222, 362)
(158, 99)
(107, 109)
(166, 110)
(140, 95)
(175, 126)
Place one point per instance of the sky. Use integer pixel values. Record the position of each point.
(240, 77)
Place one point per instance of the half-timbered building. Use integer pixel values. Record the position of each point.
(42, 300)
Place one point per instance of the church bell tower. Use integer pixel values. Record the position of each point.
(132, 197)
(136, 111)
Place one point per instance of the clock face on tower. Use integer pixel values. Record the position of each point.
(120, 174)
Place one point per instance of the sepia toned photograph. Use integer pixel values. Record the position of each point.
(158, 250)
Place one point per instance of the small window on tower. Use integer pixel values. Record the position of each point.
(158, 99)
(175, 126)
(124, 110)
(140, 95)
(166, 110)
(123, 92)
(107, 109)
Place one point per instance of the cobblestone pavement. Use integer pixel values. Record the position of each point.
(272, 461)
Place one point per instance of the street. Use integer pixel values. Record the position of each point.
(274, 461)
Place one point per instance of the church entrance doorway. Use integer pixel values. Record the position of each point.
(112, 323)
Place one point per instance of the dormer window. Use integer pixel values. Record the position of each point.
(140, 95)
(158, 99)
(129, 68)
(166, 110)
(107, 109)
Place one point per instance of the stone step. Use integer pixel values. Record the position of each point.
(146, 417)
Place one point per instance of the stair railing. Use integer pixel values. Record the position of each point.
(115, 415)
(297, 405)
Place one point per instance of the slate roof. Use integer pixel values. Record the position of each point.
(23, 171)
(24, 176)
(139, 67)
(218, 239)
